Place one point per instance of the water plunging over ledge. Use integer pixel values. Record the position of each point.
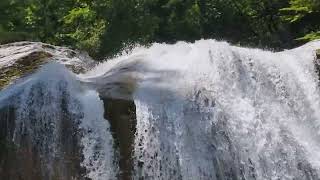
(205, 110)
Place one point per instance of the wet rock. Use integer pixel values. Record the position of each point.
(22, 58)
(318, 54)
(122, 118)
(25, 161)
(317, 62)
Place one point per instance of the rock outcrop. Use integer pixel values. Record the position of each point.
(23, 161)
(22, 58)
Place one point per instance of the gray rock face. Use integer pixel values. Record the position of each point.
(20, 59)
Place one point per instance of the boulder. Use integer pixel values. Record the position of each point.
(22, 58)
(19, 60)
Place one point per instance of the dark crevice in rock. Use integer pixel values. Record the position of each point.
(121, 115)
(317, 62)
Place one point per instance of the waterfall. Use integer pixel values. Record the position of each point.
(205, 110)
(62, 124)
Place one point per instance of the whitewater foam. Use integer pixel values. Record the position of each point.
(209, 110)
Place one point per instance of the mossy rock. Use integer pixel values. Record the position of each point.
(22, 66)
(22, 58)
(318, 53)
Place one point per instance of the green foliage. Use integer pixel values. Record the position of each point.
(310, 36)
(83, 28)
(299, 9)
(103, 27)
(305, 14)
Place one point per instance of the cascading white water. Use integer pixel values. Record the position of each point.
(205, 110)
(53, 114)
(209, 110)
(99, 156)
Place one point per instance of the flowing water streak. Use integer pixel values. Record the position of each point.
(228, 113)
(99, 156)
(58, 118)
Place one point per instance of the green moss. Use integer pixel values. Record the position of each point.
(23, 66)
(318, 53)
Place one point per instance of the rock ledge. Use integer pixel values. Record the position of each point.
(22, 58)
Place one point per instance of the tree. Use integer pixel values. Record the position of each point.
(83, 26)
(104, 27)
(304, 16)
